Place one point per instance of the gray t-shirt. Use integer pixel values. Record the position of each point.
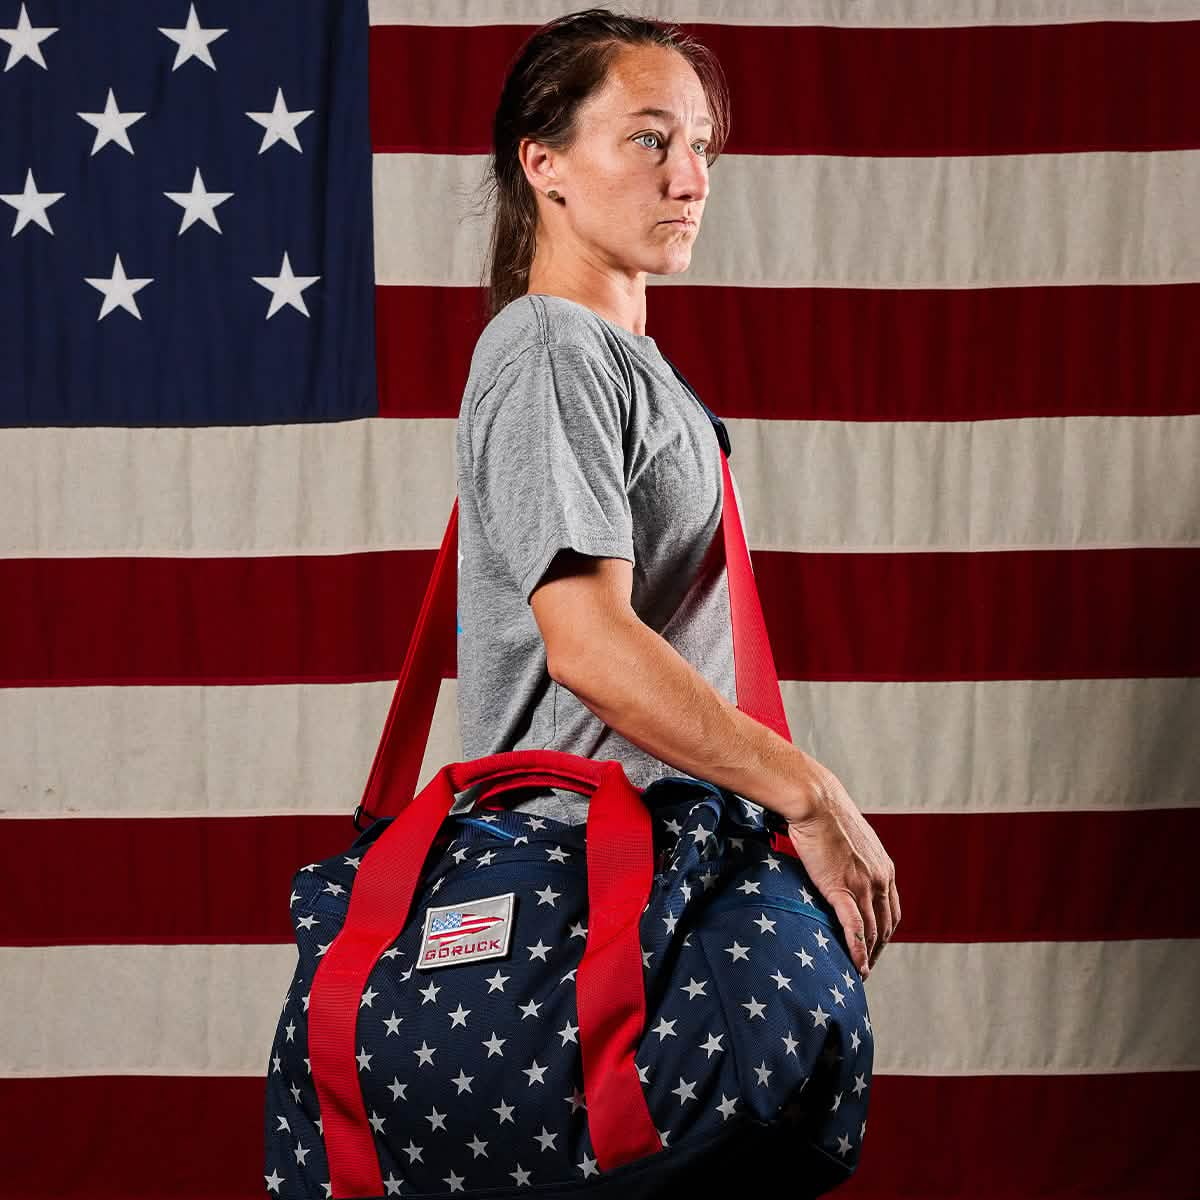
(575, 433)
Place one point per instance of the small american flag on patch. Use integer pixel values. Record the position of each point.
(450, 925)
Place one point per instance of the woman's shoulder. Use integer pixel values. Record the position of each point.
(538, 320)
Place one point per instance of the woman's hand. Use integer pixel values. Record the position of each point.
(848, 865)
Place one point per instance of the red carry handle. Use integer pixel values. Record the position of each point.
(609, 989)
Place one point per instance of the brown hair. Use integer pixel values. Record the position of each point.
(561, 64)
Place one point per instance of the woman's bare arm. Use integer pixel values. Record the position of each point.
(639, 684)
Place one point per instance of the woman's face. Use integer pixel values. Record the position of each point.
(629, 173)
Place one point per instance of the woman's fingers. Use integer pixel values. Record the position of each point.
(849, 866)
(859, 930)
(883, 922)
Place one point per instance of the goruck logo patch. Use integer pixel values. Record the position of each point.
(466, 932)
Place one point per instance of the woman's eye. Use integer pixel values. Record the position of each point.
(656, 138)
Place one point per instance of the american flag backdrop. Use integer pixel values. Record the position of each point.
(946, 297)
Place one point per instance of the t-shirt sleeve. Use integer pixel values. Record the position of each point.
(548, 464)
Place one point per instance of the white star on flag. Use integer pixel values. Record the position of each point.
(31, 205)
(279, 124)
(199, 204)
(111, 124)
(118, 291)
(285, 288)
(193, 40)
(24, 41)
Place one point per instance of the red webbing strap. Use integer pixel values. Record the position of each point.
(753, 663)
(431, 657)
(610, 994)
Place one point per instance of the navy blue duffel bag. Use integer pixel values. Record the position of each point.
(722, 1028)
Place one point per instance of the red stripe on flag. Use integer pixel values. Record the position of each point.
(967, 89)
(999, 1137)
(1026, 614)
(857, 354)
(970, 877)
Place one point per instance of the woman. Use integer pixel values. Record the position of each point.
(592, 620)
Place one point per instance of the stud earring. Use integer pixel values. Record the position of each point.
(552, 194)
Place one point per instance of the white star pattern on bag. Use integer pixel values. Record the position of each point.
(487, 1121)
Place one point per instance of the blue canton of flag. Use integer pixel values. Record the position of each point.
(190, 192)
(449, 921)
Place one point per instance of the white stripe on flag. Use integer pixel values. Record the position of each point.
(1049, 1007)
(899, 746)
(823, 220)
(806, 485)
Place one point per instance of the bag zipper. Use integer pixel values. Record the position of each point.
(782, 902)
